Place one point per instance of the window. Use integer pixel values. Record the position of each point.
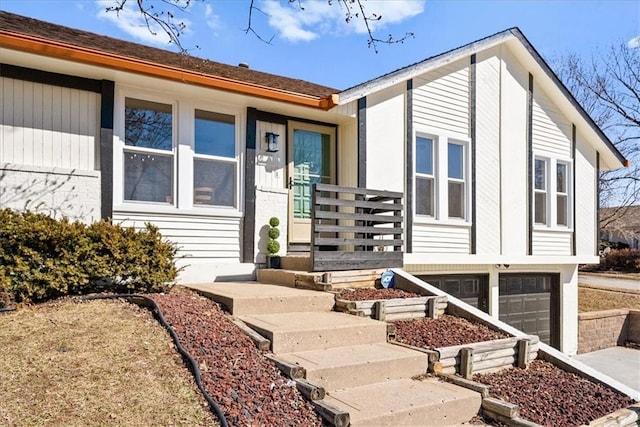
(456, 185)
(425, 179)
(214, 160)
(179, 156)
(562, 195)
(148, 154)
(551, 196)
(441, 177)
(540, 191)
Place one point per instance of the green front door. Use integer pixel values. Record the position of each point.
(311, 160)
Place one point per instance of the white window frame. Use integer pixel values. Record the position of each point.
(552, 193)
(183, 154)
(432, 176)
(441, 140)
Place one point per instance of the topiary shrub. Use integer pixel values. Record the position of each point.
(43, 258)
(273, 246)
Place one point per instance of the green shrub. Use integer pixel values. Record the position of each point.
(274, 233)
(43, 258)
(274, 222)
(273, 247)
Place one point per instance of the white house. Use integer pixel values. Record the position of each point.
(496, 161)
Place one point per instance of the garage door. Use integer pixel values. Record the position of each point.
(472, 289)
(529, 302)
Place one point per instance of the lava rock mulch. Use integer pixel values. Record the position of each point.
(445, 331)
(550, 396)
(248, 388)
(367, 294)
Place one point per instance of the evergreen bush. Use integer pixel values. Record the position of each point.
(43, 258)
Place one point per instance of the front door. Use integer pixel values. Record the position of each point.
(311, 159)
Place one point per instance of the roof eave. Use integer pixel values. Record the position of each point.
(55, 49)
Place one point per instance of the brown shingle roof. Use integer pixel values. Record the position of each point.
(32, 27)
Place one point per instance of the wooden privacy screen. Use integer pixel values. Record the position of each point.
(355, 228)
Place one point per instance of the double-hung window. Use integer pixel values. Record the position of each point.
(562, 194)
(540, 191)
(425, 178)
(551, 194)
(214, 159)
(148, 153)
(456, 180)
(441, 187)
(179, 156)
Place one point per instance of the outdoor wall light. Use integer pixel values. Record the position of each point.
(272, 142)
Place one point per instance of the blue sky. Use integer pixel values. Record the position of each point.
(317, 45)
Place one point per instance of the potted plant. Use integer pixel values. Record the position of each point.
(273, 246)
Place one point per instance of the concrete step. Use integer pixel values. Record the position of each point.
(294, 332)
(407, 402)
(291, 278)
(357, 365)
(296, 262)
(247, 298)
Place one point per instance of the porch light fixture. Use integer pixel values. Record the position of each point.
(272, 142)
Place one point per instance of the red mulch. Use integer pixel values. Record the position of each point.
(445, 331)
(249, 389)
(367, 294)
(549, 396)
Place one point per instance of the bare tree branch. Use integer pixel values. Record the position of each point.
(608, 87)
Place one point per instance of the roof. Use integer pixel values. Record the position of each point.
(626, 218)
(437, 61)
(25, 33)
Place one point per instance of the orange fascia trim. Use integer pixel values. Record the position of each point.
(61, 50)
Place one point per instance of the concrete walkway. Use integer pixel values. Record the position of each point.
(348, 356)
(620, 363)
(608, 282)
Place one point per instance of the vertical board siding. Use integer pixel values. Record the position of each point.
(585, 196)
(441, 239)
(198, 237)
(547, 243)
(48, 126)
(488, 153)
(270, 167)
(551, 130)
(441, 98)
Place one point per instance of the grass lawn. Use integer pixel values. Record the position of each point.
(597, 300)
(94, 363)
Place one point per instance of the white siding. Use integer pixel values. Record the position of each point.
(386, 126)
(441, 98)
(586, 203)
(551, 131)
(551, 243)
(48, 126)
(270, 167)
(440, 239)
(58, 192)
(488, 152)
(214, 239)
(513, 154)
(348, 154)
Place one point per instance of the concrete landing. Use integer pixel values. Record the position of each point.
(406, 402)
(291, 332)
(358, 365)
(244, 298)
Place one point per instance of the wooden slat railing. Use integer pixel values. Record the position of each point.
(355, 228)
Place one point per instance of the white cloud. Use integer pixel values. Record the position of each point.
(213, 20)
(634, 43)
(318, 17)
(132, 22)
